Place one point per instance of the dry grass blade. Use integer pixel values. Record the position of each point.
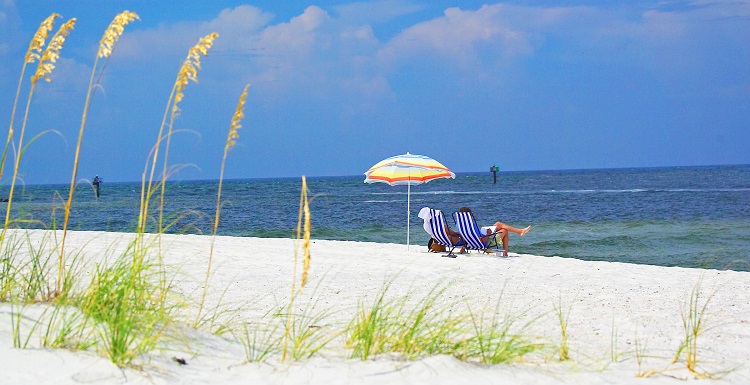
(234, 126)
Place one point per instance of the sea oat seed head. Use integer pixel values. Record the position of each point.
(114, 31)
(190, 67)
(52, 52)
(37, 42)
(239, 113)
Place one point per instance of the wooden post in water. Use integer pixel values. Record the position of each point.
(494, 169)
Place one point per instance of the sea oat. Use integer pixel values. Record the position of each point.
(32, 55)
(188, 71)
(304, 216)
(190, 67)
(44, 68)
(239, 113)
(52, 52)
(306, 236)
(37, 42)
(109, 39)
(114, 31)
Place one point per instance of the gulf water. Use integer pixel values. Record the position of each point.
(687, 216)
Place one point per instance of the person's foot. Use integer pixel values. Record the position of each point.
(526, 230)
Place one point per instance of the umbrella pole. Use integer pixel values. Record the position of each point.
(408, 212)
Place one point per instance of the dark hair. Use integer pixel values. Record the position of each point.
(465, 210)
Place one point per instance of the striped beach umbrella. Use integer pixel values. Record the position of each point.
(407, 169)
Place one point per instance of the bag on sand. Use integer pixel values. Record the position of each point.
(435, 247)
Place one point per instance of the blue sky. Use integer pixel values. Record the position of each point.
(337, 86)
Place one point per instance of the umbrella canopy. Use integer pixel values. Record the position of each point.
(407, 169)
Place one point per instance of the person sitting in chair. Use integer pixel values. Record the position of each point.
(500, 228)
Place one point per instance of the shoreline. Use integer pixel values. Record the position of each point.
(613, 310)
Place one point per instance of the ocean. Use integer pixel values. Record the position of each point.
(679, 216)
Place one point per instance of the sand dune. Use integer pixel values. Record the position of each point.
(615, 312)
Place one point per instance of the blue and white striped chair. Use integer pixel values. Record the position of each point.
(472, 234)
(434, 225)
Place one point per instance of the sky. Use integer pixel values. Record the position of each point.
(337, 86)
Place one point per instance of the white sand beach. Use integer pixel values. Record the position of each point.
(622, 320)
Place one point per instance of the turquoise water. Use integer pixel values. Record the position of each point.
(690, 216)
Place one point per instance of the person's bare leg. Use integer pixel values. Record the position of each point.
(521, 232)
(505, 242)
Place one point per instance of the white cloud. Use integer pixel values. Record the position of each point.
(323, 56)
(236, 26)
(242, 19)
(317, 52)
(359, 34)
(458, 35)
(298, 36)
(274, 56)
(671, 41)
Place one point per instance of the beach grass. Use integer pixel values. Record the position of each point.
(501, 336)
(306, 333)
(562, 314)
(27, 280)
(417, 327)
(427, 326)
(369, 332)
(261, 339)
(127, 302)
(694, 325)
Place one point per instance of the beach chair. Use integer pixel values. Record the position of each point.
(472, 234)
(434, 225)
